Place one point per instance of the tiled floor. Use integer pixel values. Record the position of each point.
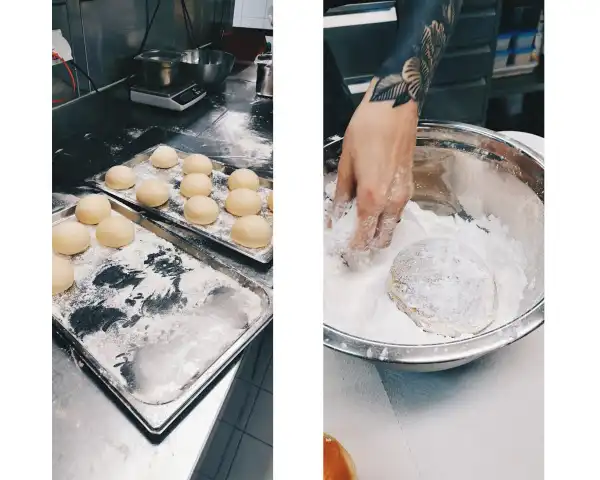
(242, 446)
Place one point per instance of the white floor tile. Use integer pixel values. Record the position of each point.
(260, 424)
(221, 452)
(257, 357)
(268, 380)
(240, 404)
(254, 461)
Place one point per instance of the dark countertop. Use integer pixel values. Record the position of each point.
(94, 437)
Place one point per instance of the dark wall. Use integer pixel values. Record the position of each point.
(105, 34)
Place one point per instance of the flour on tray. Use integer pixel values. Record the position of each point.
(153, 316)
(357, 303)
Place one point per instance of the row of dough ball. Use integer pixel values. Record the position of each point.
(71, 238)
(122, 177)
(251, 231)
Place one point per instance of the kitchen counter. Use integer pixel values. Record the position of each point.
(94, 437)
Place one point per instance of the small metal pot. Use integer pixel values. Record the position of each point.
(159, 68)
(264, 75)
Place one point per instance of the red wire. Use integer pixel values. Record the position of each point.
(56, 56)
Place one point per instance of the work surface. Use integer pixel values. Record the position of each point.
(93, 437)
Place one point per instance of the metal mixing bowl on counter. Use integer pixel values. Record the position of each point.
(449, 159)
(207, 67)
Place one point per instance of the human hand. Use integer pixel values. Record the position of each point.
(376, 168)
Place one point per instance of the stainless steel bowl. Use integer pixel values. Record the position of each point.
(438, 177)
(159, 68)
(208, 68)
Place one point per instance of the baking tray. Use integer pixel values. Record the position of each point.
(173, 209)
(157, 320)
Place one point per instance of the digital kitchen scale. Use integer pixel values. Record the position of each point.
(176, 97)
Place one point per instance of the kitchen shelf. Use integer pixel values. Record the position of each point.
(519, 84)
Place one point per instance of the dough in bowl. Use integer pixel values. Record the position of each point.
(243, 178)
(120, 177)
(201, 210)
(70, 238)
(115, 232)
(92, 209)
(444, 287)
(152, 193)
(252, 231)
(164, 157)
(242, 202)
(197, 163)
(63, 274)
(196, 184)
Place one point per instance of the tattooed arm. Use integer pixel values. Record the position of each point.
(424, 27)
(376, 162)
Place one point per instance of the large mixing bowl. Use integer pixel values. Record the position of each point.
(207, 67)
(508, 179)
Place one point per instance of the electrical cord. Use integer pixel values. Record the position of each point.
(189, 26)
(84, 73)
(149, 27)
(56, 56)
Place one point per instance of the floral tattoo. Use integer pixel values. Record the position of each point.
(408, 73)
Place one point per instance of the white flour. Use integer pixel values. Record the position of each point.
(357, 303)
(168, 327)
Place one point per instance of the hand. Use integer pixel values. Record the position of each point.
(376, 168)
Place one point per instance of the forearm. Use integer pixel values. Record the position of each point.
(424, 28)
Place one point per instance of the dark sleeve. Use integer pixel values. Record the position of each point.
(424, 27)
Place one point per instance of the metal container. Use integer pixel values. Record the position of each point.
(522, 214)
(172, 211)
(264, 75)
(208, 68)
(159, 68)
(134, 333)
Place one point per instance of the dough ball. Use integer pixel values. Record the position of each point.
(201, 210)
(242, 202)
(120, 177)
(164, 157)
(252, 231)
(270, 201)
(152, 193)
(63, 274)
(452, 291)
(243, 178)
(115, 232)
(196, 184)
(197, 163)
(337, 463)
(70, 238)
(92, 209)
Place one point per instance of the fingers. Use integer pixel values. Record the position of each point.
(344, 190)
(370, 203)
(400, 193)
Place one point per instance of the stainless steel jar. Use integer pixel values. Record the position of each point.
(264, 75)
(159, 68)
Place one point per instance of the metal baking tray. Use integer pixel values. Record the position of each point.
(156, 320)
(173, 209)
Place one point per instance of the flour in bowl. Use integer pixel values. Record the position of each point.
(356, 302)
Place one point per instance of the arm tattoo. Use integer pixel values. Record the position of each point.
(424, 27)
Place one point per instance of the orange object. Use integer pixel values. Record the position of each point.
(56, 56)
(337, 463)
